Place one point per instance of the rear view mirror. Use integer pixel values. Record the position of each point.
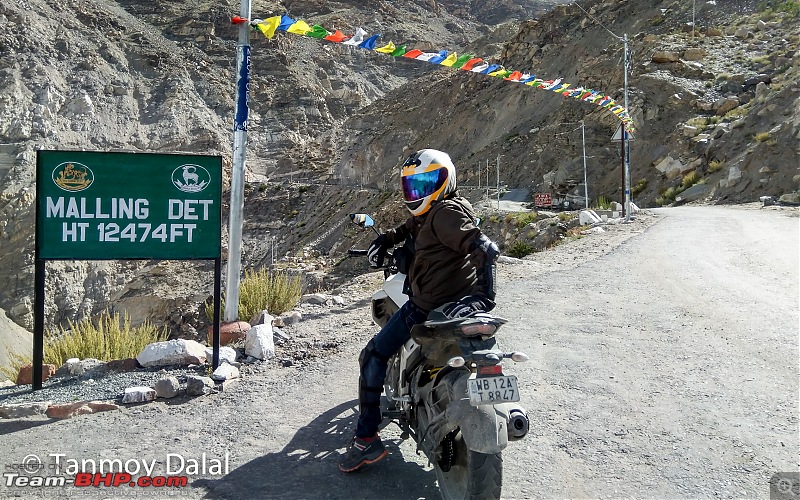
(362, 220)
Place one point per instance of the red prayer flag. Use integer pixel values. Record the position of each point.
(337, 37)
(413, 54)
(471, 63)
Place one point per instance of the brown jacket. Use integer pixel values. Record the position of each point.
(444, 265)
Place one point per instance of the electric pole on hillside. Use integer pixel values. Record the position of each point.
(234, 268)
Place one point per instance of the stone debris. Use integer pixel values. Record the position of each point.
(225, 372)
(18, 410)
(167, 387)
(199, 386)
(69, 410)
(139, 395)
(172, 352)
(260, 343)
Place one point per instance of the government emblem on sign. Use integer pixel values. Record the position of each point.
(191, 178)
(72, 176)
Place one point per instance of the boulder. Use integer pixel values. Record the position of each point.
(262, 318)
(172, 352)
(260, 343)
(229, 332)
(662, 57)
(722, 106)
(225, 372)
(167, 387)
(74, 367)
(670, 167)
(25, 375)
(314, 298)
(694, 193)
(226, 354)
(198, 386)
(694, 54)
(18, 410)
(69, 410)
(123, 365)
(139, 395)
(291, 318)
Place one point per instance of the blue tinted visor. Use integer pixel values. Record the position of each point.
(418, 186)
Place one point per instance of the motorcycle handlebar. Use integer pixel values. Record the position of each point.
(356, 252)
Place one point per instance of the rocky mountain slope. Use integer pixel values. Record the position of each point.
(158, 76)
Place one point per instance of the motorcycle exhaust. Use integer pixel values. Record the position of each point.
(518, 424)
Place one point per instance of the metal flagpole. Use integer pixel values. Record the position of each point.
(237, 176)
(627, 141)
(585, 180)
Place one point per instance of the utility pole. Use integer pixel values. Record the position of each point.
(585, 176)
(498, 182)
(236, 218)
(626, 139)
(487, 179)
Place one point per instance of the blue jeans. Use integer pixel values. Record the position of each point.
(374, 362)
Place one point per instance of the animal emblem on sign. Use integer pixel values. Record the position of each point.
(71, 176)
(190, 178)
(190, 175)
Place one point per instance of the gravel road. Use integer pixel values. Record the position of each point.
(664, 364)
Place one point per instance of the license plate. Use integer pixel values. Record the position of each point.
(491, 390)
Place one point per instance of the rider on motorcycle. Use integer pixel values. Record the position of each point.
(453, 263)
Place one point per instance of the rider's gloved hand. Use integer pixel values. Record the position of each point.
(377, 251)
(467, 306)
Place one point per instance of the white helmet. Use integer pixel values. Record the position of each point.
(427, 176)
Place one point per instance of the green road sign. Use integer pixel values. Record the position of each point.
(101, 206)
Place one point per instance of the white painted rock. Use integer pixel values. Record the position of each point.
(139, 395)
(259, 342)
(226, 354)
(225, 372)
(172, 352)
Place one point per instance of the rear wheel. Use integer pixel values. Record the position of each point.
(463, 473)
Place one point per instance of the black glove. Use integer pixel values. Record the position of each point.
(377, 251)
(467, 306)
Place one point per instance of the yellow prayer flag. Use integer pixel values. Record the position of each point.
(451, 60)
(299, 28)
(387, 49)
(268, 26)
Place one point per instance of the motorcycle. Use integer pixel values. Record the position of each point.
(446, 388)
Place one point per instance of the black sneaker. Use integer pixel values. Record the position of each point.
(361, 452)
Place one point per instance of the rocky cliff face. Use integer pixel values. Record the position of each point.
(158, 76)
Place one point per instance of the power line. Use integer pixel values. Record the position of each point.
(598, 22)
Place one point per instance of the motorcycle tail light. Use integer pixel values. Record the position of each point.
(490, 370)
(478, 329)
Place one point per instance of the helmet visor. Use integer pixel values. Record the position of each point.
(418, 186)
